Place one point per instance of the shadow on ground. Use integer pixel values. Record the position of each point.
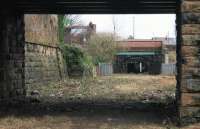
(129, 112)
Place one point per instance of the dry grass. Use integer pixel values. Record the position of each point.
(92, 122)
(146, 121)
(194, 126)
(120, 88)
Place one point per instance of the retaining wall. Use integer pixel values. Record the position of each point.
(44, 62)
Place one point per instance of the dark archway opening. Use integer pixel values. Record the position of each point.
(133, 67)
(23, 7)
(137, 67)
(111, 92)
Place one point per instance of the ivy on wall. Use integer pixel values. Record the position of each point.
(61, 29)
(77, 61)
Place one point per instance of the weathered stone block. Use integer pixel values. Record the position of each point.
(2, 76)
(190, 85)
(191, 29)
(193, 61)
(190, 72)
(190, 99)
(189, 114)
(188, 51)
(192, 40)
(20, 92)
(191, 18)
(191, 6)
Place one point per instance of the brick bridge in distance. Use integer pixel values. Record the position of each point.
(12, 41)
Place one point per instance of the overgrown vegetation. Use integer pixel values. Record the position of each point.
(102, 48)
(78, 62)
(61, 29)
(75, 58)
(81, 61)
(65, 21)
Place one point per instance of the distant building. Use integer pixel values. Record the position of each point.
(166, 40)
(139, 56)
(79, 34)
(169, 49)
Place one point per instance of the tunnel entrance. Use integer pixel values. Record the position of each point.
(186, 85)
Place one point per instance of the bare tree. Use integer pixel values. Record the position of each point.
(70, 20)
(102, 47)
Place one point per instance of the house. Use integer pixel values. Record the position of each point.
(139, 56)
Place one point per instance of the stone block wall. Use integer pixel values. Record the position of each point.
(12, 56)
(41, 29)
(36, 60)
(44, 61)
(43, 64)
(189, 103)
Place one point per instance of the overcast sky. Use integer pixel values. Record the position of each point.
(145, 26)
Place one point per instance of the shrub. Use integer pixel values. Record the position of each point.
(77, 61)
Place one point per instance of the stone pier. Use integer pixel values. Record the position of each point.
(12, 82)
(189, 102)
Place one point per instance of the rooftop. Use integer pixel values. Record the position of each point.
(140, 44)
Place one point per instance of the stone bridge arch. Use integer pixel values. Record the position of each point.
(12, 78)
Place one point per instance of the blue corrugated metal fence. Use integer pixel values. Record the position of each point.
(105, 69)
